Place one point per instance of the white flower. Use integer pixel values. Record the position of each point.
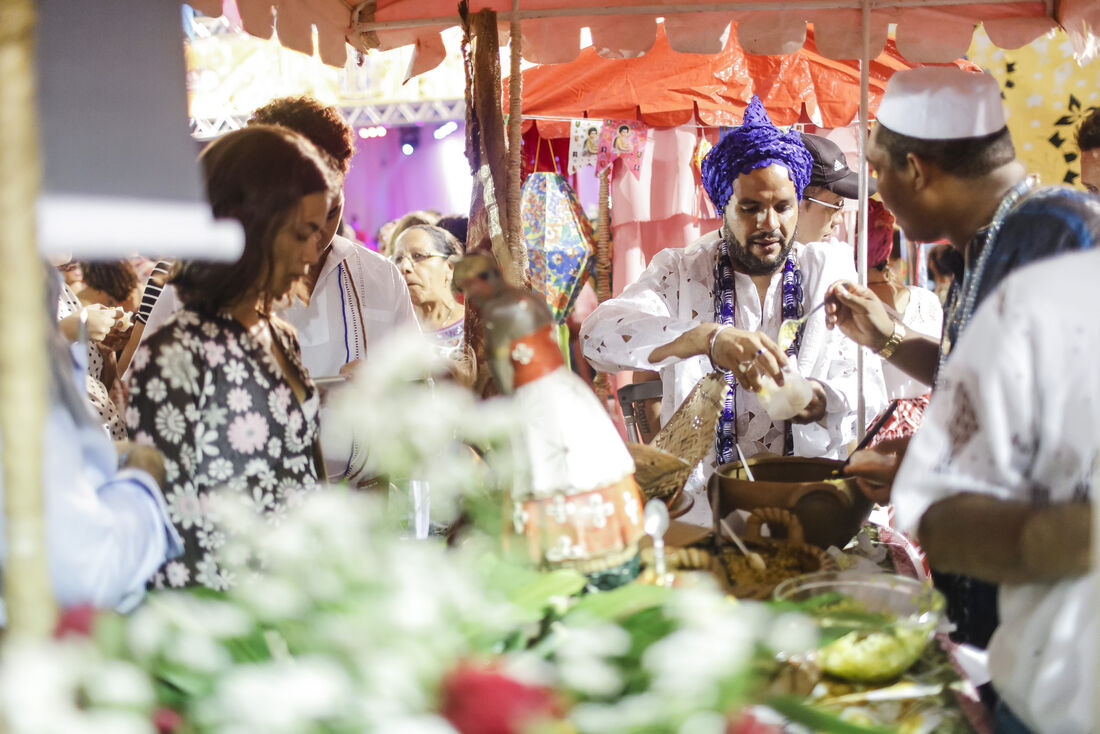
(133, 417)
(140, 359)
(118, 684)
(236, 372)
(238, 399)
(215, 353)
(215, 415)
(156, 390)
(220, 469)
(177, 573)
(208, 574)
(274, 447)
(171, 470)
(170, 423)
(177, 365)
(185, 507)
(210, 329)
(206, 442)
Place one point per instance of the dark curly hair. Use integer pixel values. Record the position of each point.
(257, 175)
(117, 279)
(1088, 135)
(322, 125)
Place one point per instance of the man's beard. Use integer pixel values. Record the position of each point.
(743, 260)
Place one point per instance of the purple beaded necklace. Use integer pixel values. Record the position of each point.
(725, 312)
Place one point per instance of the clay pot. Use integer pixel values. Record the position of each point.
(831, 509)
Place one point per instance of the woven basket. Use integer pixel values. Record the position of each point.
(786, 538)
(659, 474)
(681, 559)
(689, 433)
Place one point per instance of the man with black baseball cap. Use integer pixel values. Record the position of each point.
(831, 182)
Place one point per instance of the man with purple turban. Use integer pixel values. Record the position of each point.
(718, 303)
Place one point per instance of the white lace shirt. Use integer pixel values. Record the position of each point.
(676, 293)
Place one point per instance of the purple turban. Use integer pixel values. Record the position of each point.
(757, 143)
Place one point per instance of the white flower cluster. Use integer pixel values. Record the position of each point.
(420, 429)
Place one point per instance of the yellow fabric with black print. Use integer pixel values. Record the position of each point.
(1047, 94)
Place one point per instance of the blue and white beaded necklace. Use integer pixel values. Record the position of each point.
(725, 313)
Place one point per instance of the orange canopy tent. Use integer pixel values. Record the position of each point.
(666, 88)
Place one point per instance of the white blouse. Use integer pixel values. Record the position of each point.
(923, 314)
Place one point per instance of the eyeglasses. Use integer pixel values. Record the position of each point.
(838, 207)
(416, 257)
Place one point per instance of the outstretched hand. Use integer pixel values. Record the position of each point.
(858, 313)
(875, 469)
(748, 354)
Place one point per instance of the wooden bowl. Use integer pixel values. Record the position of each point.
(830, 509)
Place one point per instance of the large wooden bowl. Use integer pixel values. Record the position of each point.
(831, 509)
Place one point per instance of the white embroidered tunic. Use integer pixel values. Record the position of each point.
(676, 293)
(1016, 416)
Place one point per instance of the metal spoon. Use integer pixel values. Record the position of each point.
(744, 464)
(788, 330)
(755, 559)
(656, 523)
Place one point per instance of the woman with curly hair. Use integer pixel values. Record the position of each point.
(220, 389)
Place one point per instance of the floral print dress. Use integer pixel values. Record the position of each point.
(214, 401)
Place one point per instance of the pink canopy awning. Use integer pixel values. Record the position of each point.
(928, 31)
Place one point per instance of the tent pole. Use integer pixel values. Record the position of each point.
(861, 227)
(24, 368)
(515, 141)
(739, 6)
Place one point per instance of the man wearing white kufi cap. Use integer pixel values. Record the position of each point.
(980, 462)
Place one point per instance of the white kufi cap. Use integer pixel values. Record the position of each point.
(942, 103)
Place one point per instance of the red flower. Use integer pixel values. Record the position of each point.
(166, 720)
(481, 701)
(77, 620)
(746, 723)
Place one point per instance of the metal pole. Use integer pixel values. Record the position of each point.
(24, 368)
(861, 217)
(666, 10)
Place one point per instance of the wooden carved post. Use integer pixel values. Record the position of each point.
(516, 245)
(603, 269)
(24, 368)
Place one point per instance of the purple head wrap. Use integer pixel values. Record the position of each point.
(755, 144)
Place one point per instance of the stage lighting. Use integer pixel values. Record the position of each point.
(410, 139)
(445, 129)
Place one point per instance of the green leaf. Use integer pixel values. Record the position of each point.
(619, 603)
(535, 595)
(797, 710)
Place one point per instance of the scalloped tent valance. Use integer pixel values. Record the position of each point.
(665, 88)
(928, 31)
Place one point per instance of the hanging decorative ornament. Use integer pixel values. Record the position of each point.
(624, 139)
(560, 240)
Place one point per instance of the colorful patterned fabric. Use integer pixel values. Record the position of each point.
(560, 241)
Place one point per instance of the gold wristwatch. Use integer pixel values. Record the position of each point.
(892, 343)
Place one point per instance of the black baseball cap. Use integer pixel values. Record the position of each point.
(830, 170)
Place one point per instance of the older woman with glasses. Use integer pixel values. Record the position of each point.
(426, 255)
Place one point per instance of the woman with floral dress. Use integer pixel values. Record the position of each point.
(220, 388)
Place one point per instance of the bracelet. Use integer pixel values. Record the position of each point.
(713, 339)
(892, 343)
